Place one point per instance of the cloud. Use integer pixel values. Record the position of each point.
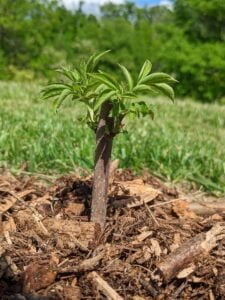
(90, 3)
(89, 6)
(92, 6)
(167, 3)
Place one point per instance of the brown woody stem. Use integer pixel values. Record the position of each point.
(104, 141)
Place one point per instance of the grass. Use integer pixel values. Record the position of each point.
(186, 141)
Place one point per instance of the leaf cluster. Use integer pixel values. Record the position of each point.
(92, 88)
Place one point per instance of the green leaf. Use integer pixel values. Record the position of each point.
(71, 75)
(75, 74)
(90, 64)
(91, 113)
(141, 109)
(50, 95)
(103, 79)
(143, 88)
(127, 76)
(53, 90)
(62, 97)
(94, 59)
(83, 71)
(103, 98)
(145, 70)
(165, 89)
(76, 98)
(99, 56)
(112, 79)
(100, 88)
(129, 95)
(158, 78)
(55, 86)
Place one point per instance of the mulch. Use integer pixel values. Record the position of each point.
(50, 250)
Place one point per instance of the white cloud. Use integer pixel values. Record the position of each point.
(75, 3)
(167, 3)
(92, 6)
(89, 6)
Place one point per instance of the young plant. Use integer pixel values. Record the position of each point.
(108, 101)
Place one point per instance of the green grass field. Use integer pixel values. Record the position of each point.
(186, 141)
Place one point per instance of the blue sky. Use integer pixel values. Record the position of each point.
(92, 6)
(74, 3)
(147, 2)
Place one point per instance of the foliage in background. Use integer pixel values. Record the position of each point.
(188, 42)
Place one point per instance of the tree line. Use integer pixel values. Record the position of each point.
(188, 41)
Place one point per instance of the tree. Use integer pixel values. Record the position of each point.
(108, 102)
(202, 20)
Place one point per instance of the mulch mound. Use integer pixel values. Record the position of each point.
(154, 245)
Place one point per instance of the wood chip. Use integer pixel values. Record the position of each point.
(155, 248)
(71, 293)
(8, 225)
(75, 209)
(186, 272)
(7, 203)
(39, 275)
(182, 210)
(71, 233)
(139, 191)
(141, 237)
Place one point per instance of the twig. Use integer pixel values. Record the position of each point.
(148, 287)
(164, 203)
(189, 251)
(151, 214)
(80, 245)
(180, 289)
(7, 237)
(86, 265)
(104, 287)
(12, 266)
(211, 295)
(63, 262)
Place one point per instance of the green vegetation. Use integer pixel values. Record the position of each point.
(185, 141)
(108, 103)
(188, 41)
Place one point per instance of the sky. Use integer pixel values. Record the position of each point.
(90, 5)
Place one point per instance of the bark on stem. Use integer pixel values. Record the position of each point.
(104, 140)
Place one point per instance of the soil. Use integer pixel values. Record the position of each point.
(50, 250)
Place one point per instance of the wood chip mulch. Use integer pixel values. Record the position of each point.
(155, 244)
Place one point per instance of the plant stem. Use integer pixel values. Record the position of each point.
(104, 141)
